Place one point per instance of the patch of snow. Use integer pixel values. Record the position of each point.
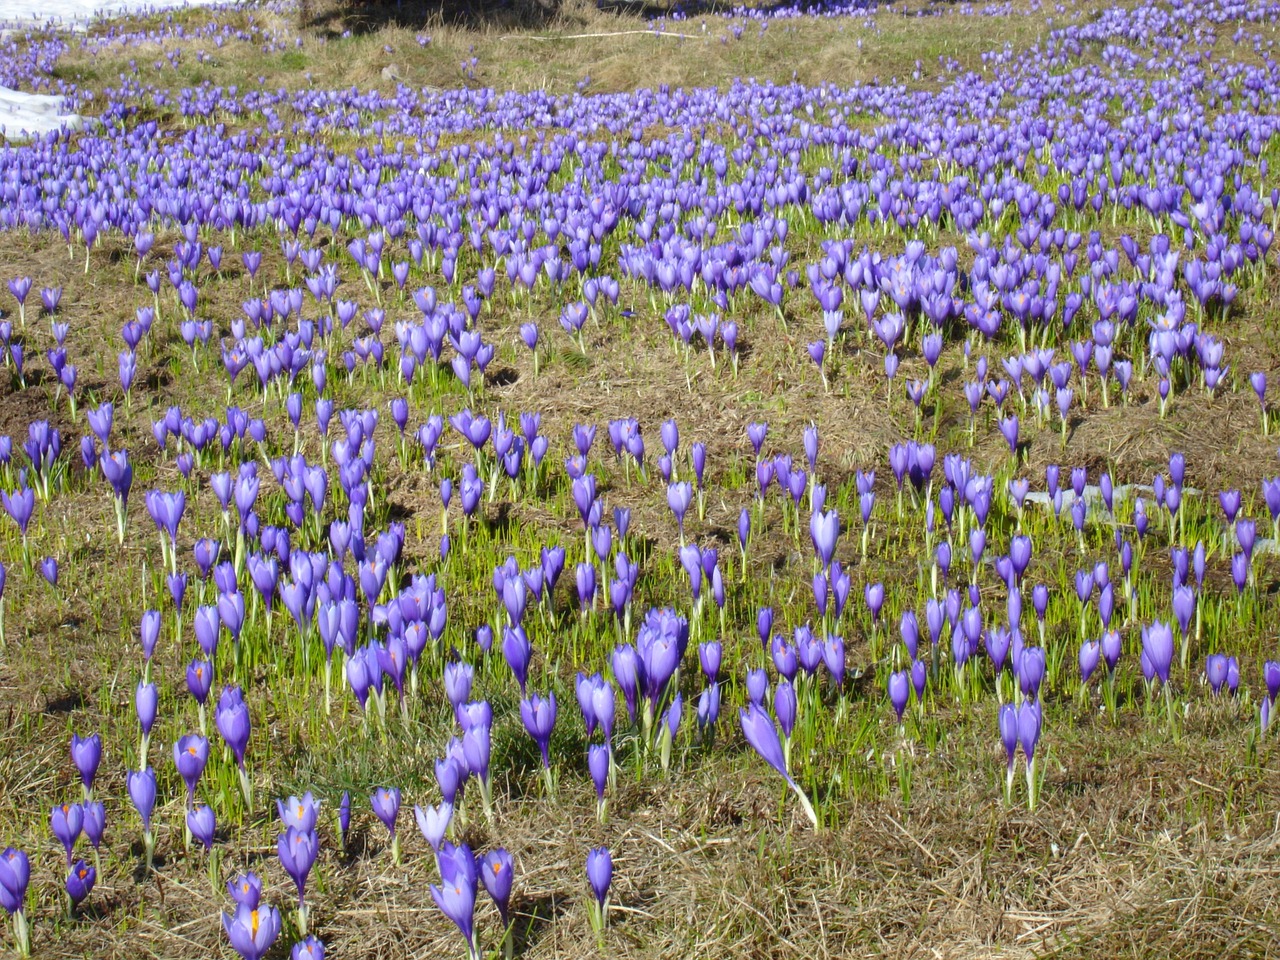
(1093, 494)
(77, 14)
(24, 115)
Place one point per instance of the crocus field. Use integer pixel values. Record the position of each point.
(507, 488)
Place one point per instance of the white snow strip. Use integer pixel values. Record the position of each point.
(77, 14)
(24, 115)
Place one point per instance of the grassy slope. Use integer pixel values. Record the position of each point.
(1143, 846)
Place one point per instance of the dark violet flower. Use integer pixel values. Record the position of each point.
(873, 593)
(1009, 428)
(1110, 648)
(1030, 669)
(785, 708)
(709, 655)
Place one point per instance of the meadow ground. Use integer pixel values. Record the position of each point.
(1153, 837)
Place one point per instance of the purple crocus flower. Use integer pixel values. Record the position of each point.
(15, 874)
(1009, 428)
(344, 816)
(20, 505)
(1157, 649)
(308, 948)
(80, 880)
(824, 530)
(147, 702)
(245, 890)
(190, 755)
(598, 763)
(600, 877)
(202, 824)
(873, 593)
(539, 716)
(1029, 719)
(456, 894)
(762, 735)
(458, 678)
(142, 791)
(86, 754)
(679, 498)
(1090, 654)
(1271, 677)
(66, 822)
(833, 657)
(232, 719)
(785, 708)
(433, 823)
(1215, 669)
(899, 691)
(517, 651)
(1110, 646)
(253, 930)
(149, 633)
(497, 871)
(1007, 718)
(200, 680)
(297, 850)
(1240, 571)
(95, 822)
(386, 807)
(1030, 669)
